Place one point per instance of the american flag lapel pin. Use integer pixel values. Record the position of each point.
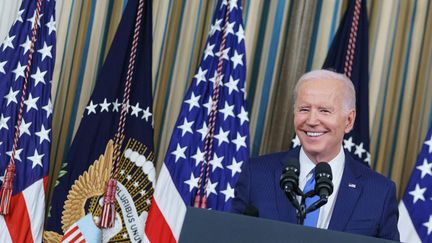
(352, 185)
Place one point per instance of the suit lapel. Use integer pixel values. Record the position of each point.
(285, 209)
(349, 191)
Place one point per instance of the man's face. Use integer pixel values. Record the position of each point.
(320, 120)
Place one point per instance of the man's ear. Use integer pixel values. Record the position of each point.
(350, 121)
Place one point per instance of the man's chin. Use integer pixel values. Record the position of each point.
(313, 152)
(313, 145)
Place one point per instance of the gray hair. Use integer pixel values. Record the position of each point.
(322, 74)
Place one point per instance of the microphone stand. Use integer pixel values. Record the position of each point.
(316, 205)
(289, 184)
(292, 198)
(302, 210)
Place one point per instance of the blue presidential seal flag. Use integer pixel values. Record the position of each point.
(105, 185)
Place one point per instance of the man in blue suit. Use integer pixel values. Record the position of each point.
(363, 201)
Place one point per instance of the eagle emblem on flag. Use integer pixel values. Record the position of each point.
(135, 179)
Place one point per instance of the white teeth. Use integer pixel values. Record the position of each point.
(314, 134)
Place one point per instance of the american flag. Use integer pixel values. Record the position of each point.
(183, 174)
(415, 209)
(24, 222)
(83, 231)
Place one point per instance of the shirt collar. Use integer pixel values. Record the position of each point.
(306, 165)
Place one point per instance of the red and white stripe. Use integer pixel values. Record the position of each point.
(167, 212)
(73, 235)
(24, 223)
(406, 227)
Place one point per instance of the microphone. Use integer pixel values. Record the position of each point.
(290, 176)
(323, 185)
(289, 181)
(323, 180)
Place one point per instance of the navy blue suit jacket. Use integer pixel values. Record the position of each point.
(368, 209)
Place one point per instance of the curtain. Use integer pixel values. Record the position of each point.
(279, 131)
(400, 85)
(284, 39)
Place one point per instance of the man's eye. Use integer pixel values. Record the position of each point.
(303, 109)
(325, 111)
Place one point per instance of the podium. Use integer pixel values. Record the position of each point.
(201, 225)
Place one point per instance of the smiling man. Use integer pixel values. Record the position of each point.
(362, 202)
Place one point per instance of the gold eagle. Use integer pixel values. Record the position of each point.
(90, 184)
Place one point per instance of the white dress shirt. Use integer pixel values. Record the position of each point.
(337, 165)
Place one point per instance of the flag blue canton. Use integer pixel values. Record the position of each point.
(33, 150)
(185, 154)
(418, 195)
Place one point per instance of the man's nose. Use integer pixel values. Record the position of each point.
(313, 118)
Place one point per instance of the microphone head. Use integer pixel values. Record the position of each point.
(290, 175)
(323, 180)
(324, 169)
(293, 164)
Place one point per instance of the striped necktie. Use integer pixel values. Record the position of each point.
(312, 217)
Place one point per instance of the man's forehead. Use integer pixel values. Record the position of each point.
(324, 87)
(319, 95)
